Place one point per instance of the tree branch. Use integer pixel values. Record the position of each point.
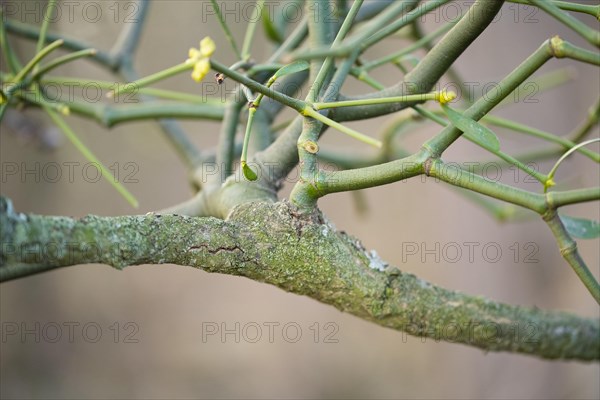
(432, 67)
(305, 256)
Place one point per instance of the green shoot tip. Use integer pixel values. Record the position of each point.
(248, 172)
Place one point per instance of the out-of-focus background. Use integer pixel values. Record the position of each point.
(156, 331)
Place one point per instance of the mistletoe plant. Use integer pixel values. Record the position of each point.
(236, 223)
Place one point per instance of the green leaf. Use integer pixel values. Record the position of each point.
(473, 130)
(291, 69)
(581, 228)
(248, 172)
(270, 28)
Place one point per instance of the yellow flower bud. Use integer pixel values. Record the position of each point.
(193, 54)
(207, 47)
(201, 68)
(199, 57)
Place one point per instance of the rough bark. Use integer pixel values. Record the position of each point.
(271, 243)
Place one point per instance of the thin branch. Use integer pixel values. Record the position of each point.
(226, 29)
(568, 249)
(129, 37)
(588, 33)
(432, 67)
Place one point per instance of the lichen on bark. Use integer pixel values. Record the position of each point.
(299, 253)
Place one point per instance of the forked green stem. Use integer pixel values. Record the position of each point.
(87, 153)
(310, 112)
(36, 59)
(568, 249)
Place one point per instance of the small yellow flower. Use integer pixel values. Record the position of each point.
(207, 47)
(199, 57)
(446, 96)
(193, 54)
(201, 68)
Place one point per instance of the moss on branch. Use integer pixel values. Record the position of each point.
(271, 243)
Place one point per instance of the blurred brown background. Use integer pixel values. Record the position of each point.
(170, 307)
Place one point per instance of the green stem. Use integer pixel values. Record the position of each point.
(36, 97)
(433, 66)
(250, 175)
(304, 195)
(409, 49)
(36, 59)
(263, 68)
(309, 112)
(319, 34)
(226, 145)
(225, 153)
(148, 80)
(590, 122)
(501, 212)
(62, 60)
(392, 13)
(225, 28)
(428, 114)
(502, 155)
(363, 178)
(120, 60)
(499, 153)
(325, 69)
(31, 32)
(124, 48)
(568, 6)
(374, 34)
(3, 108)
(250, 30)
(407, 19)
(517, 127)
(284, 151)
(45, 24)
(12, 88)
(570, 197)
(539, 203)
(293, 40)
(108, 85)
(542, 83)
(363, 76)
(568, 249)
(438, 144)
(110, 116)
(552, 172)
(465, 179)
(566, 49)
(91, 157)
(453, 75)
(588, 33)
(176, 136)
(7, 52)
(253, 85)
(383, 100)
(345, 160)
